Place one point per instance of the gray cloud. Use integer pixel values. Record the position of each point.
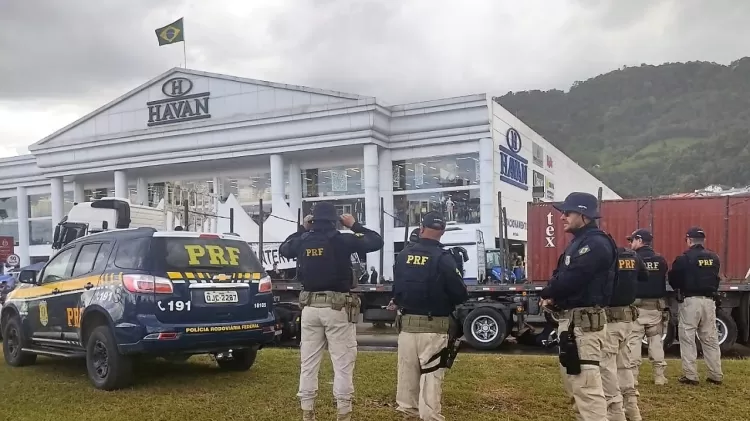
(79, 48)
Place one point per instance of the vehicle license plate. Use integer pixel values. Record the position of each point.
(216, 297)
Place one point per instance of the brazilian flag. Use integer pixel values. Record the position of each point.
(172, 33)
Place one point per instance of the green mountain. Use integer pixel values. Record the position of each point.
(676, 127)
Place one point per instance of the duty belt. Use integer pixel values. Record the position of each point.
(650, 303)
(412, 323)
(332, 299)
(620, 314)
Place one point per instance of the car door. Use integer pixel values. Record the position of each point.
(46, 316)
(89, 264)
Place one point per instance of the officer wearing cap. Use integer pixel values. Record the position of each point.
(427, 287)
(329, 311)
(653, 314)
(695, 273)
(580, 288)
(617, 375)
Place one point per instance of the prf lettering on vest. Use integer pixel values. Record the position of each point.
(216, 255)
(416, 260)
(74, 316)
(705, 262)
(652, 265)
(316, 252)
(627, 264)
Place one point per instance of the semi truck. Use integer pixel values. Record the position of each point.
(725, 219)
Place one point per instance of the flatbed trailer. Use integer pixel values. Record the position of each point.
(492, 313)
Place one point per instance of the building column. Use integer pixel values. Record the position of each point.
(386, 192)
(79, 195)
(372, 198)
(121, 185)
(57, 196)
(22, 199)
(278, 201)
(487, 196)
(141, 187)
(295, 187)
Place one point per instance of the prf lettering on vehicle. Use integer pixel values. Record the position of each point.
(216, 255)
(417, 260)
(74, 316)
(316, 252)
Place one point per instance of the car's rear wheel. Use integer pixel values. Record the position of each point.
(240, 359)
(107, 368)
(13, 343)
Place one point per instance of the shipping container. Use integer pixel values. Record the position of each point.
(726, 221)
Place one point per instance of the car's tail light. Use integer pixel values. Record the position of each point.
(147, 284)
(265, 284)
(208, 236)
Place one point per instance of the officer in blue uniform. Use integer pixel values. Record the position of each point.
(695, 273)
(580, 288)
(329, 310)
(427, 287)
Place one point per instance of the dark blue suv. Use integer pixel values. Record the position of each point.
(115, 295)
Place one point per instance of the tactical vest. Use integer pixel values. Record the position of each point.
(417, 284)
(322, 267)
(702, 273)
(656, 287)
(600, 288)
(627, 279)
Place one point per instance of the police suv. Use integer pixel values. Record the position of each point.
(112, 296)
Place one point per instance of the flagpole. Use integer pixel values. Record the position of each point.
(184, 53)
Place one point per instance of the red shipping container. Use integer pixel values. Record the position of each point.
(725, 219)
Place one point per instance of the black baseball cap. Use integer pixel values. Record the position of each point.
(696, 232)
(433, 220)
(580, 202)
(641, 234)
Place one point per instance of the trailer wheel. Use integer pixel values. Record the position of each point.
(485, 328)
(667, 337)
(551, 319)
(727, 330)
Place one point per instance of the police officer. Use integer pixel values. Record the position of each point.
(653, 314)
(580, 288)
(617, 377)
(427, 288)
(695, 273)
(329, 311)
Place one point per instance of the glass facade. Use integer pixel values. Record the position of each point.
(252, 188)
(40, 231)
(461, 206)
(353, 206)
(337, 181)
(8, 208)
(9, 228)
(436, 172)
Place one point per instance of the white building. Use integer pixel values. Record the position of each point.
(247, 136)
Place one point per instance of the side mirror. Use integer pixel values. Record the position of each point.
(27, 277)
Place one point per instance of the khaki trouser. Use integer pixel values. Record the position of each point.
(617, 377)
(420, 394)
(586, 388)
(650, 323)
(321, 326)
(698, 316)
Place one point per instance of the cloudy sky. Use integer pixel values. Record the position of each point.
(60, 59)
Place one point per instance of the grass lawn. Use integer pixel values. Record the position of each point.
(479, 387)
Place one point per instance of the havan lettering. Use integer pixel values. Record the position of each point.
(181, 110)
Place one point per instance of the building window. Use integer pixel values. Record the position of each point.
(254, 211)
(252, 188)
(436, 172)
(461, 206)
(8, 208)
(40, 206)
(93, 194)
(337, 181)
(353, 206)
(67, 202)
(9, 229)
(40, 232)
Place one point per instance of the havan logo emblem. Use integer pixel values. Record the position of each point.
(181, 106)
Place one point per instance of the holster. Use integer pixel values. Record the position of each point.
(569, 357)
(334, 300)
(448, 354)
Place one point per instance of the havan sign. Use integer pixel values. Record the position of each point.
(181, 106)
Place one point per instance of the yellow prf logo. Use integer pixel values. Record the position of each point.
(43, 316)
